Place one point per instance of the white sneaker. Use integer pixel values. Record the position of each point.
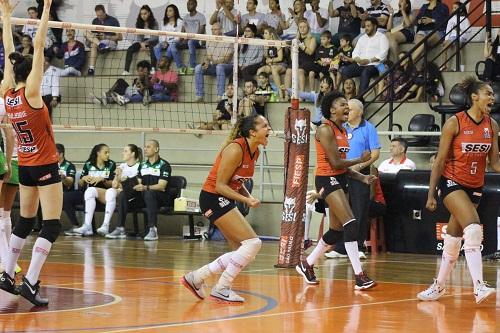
(103, 230)
(226, 295)
(335, 255)
(82, 231)
(433, 293)
(118, 233)
(188, 281)
(482, 291)
(152, 234)
(362, 255)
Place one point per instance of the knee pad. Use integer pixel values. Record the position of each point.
(249, 248)
(451, 246)
(50, 230)
(90, 193)
(111, 194)
(332, 236)
(473, 236)
(351, 231)
(24, 226)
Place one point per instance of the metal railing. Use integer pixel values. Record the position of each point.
(394, 105)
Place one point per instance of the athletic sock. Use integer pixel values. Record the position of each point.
(89, 212)
(353, 253)
(109, 210)
(41, 250)
(7, 224)
(215, 267)
(318, 251)
(449, 258)
(15, 246)
(475, 264)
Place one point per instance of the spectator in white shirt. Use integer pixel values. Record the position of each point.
(226, 15)
(368, 55)
(451, 31)
(50, 85)
(253, 17)
(28, 29)
(398, 160)
(170, 44)
(193, 23)
(317, 18)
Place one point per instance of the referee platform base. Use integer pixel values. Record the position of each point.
(98, 285)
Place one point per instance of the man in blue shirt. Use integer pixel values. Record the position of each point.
(362, 136)
(99, 41)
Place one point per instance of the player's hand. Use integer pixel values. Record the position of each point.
(369, 179)
(97, 180)
(7, 8)
(139, 188)
(252, 202)
(366, 156)
(431, 204)
(311, 196)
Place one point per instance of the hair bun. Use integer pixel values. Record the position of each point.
(16, 58)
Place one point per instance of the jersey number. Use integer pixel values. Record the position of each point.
(473, 168)
(24, 135)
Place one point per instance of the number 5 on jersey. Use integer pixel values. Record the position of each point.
(23, 135)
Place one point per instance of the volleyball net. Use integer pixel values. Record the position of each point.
(177, 82)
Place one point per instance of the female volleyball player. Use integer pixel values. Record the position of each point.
(8, 184)
(468, 139)
(224, 185)
(96, 178)
(38, 170)
(332, 170)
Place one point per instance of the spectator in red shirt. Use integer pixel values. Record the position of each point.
(165, 82)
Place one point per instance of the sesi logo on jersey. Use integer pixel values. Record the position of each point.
(13, 101)
(471, 147)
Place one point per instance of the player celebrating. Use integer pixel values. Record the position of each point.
(332, 170)
(38, 170)
(468, 139)
(224, 185)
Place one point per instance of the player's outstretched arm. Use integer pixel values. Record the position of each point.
(8, 80)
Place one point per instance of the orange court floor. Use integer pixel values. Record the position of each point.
(97, 285)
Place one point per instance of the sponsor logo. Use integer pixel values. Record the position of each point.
(9, 101)
(27, 149)
(344, 150)
(471, 147)
(208, 213)
(289, 213)
(223, 202)
(477, 194)
(334, 181)
(301, 136)
(245, 166)
(298, 171)
(42, 251)
(468, 132)
(349, 136)
(46, 177)
(441, 228)
(450, 183)
(486, 133)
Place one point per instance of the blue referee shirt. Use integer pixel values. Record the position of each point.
(361, 138)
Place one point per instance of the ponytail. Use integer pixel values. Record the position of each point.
(21, 65)
(470, 85)
(241, 129)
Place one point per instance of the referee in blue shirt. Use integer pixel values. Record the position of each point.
(362, 136)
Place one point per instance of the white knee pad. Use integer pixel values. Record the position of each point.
(111, 194)
(249, 248)
(451, 246)
(91, 193)
(473, 236)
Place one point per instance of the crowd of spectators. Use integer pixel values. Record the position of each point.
(364, 44)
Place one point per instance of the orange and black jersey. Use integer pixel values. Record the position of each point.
(466, 160)
(242, 173)
(36, 145)
(323, 166)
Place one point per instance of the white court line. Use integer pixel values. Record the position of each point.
(276, 314)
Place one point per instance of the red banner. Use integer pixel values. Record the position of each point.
(473, 15)
(297, 128)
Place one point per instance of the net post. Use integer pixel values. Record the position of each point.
(234, 117)
(295, 70)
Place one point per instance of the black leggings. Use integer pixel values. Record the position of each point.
(153, 201)
(134, 48)
(72, 199)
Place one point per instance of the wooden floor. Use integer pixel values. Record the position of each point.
(97, 285)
